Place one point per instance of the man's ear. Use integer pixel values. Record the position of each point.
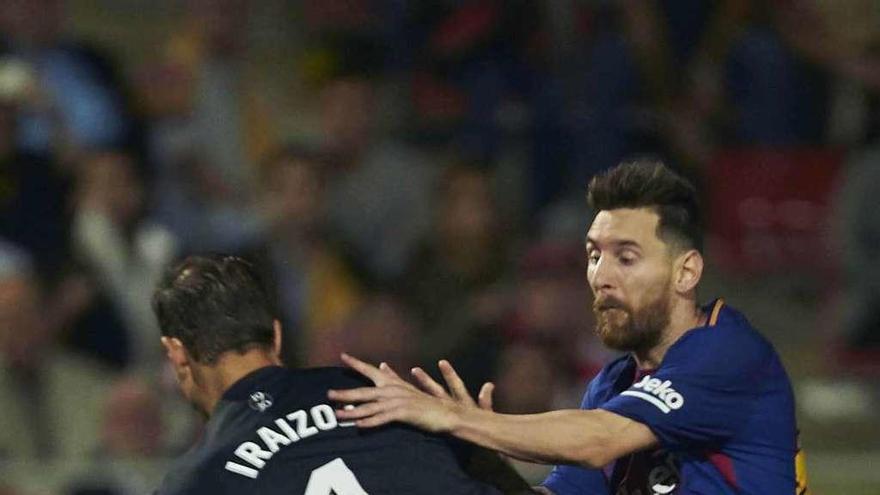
(276, 339)
(689, 271)
(176, 352)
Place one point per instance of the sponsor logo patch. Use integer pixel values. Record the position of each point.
(657, 392)
(260, 401)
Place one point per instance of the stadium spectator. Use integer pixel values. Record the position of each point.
(786, 106)
(122, 249)
(382, 327)
(607, 91)
(35, 197)
(308, 279)
(860, 229)
(531, 378)
(526, 379)
(33, 194)
(549, 309)
(49, 399)
(681, 78)
(375, 179)
(132, 430)
(701, 402)
(542, 94)
(132, 420)
(212, 123)
(76, 98)
(838, 39)
(456, 281)
(483, 77)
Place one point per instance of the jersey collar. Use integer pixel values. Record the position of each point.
(241, 389)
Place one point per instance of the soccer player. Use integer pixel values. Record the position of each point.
(271, 430)
(699, 404)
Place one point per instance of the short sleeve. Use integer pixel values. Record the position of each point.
(575, 480)
(701, 397)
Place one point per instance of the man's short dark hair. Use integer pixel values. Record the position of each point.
(214, 304)
(651, 184)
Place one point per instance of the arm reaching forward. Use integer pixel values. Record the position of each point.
(589, 438)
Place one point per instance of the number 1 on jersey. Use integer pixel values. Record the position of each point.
(334, 478)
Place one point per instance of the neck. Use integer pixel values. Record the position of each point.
(229, 369)
(683, 317)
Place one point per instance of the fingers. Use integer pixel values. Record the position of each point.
(428, 384)
(455, 383)
(388, 370)
(484, 399)
(368, 394)
(384, 375)
(364, 394)
(366, 369)
(377, 420)
(392, 378)
(370, 415)
(361, 411)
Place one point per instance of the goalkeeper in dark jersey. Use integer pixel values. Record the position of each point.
(271, 430)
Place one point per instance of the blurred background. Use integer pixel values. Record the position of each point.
(409, 176)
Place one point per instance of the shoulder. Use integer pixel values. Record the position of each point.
(603, 386)
(330, 376)
(612, 371)
(187, 475)
(295, 387)
(728, 345)
(308, 386)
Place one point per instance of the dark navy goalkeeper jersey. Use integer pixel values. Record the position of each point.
(720, 404)
(275, 433)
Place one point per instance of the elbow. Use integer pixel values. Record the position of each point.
(611, 437)
(594, 438)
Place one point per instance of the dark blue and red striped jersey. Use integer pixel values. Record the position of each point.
(722, 407)
(275, 433)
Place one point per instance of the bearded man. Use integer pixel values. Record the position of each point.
(699, 404)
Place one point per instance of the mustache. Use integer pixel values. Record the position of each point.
(608, 302)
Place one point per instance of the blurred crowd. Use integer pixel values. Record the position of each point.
(431, 207)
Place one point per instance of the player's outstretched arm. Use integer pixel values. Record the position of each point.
(590, 438)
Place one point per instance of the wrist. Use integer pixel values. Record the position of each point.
(455, 420)
(462, 421)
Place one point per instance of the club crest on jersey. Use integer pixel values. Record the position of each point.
(260, 401)
(654, 473)
(659, 393)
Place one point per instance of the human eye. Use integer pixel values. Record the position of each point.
(593, 256)
(627, 258)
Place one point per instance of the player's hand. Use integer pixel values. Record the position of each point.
(457, 388)
(393, 399)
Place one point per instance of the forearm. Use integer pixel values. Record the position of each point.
(563, 437)
(590, 438)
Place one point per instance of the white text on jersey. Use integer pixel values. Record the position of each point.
(661, 394)
(291, 428)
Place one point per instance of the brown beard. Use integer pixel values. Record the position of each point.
(623, 329)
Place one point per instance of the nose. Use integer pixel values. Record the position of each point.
(600, 275)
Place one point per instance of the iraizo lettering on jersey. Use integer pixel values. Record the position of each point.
(659, 393)
(289, 429)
